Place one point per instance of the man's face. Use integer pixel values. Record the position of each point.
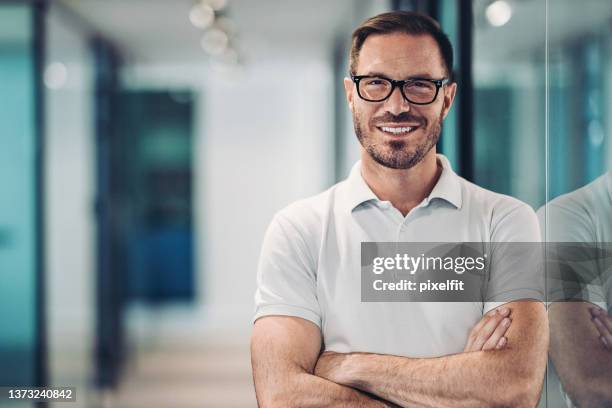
(399, 56)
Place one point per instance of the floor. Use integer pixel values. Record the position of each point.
(212, 376)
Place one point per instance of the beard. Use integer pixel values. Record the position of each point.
(397, 154)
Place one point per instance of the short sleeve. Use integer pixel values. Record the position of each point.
(574, 257)
(516, 270)
(286, 275)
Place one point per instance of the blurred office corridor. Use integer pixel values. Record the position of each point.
(147, 144)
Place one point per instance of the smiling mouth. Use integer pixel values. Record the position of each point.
(397, 130)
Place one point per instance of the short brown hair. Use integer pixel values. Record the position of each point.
(407, 22)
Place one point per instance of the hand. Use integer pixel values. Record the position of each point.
(488, 334)
(603, 323)
(329, 366)
(336, 367)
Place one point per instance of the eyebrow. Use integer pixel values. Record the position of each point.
(417, 76)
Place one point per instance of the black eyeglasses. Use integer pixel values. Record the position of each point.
(419, 91)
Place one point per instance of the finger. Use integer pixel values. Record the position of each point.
(497, 334)
(504, 311)
(605, 334)
(493, 313)
(486, 331)
(476, 329)
(606, 321)
(596, 311)
(501, 343)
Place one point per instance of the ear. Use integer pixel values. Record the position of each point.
(350, 90)
(449, 96)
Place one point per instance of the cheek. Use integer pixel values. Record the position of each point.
(365, 113)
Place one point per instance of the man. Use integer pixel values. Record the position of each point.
(578, 227)
(435, 354)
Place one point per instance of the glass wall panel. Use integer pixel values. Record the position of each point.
(577, 219)
(449, 140)
(509, 98)
(18, 324)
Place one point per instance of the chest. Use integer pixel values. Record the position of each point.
(416, 329)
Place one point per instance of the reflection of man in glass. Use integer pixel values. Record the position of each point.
(485, 352)
(578, 226)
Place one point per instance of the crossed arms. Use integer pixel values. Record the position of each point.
(502, 365)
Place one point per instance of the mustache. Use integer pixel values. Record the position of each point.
(402, 117)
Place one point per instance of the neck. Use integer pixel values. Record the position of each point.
(404, 188)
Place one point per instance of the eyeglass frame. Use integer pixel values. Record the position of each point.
(439, 83)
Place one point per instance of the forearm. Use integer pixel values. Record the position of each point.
(307, 390)
(579, 357)
(462, 380)
(584, 373)
(509, 377)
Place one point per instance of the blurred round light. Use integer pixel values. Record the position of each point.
(214, 41)
(56, 75)
(498, 13)
(217, 4)
(229, 56)
(201, 15)
(596, 133)
(225, 24)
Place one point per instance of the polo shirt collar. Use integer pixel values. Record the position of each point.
(447, 188)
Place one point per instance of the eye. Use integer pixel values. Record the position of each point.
(375, 82)
(422, 84)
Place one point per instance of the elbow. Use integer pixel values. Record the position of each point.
(522, 393)
(592, 401)
(272, 400)
(590, 393)
(283, 397)
(530, 396)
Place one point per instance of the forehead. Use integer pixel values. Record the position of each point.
(401, 55)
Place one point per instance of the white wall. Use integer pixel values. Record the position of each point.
(69, 217)
(265, 140)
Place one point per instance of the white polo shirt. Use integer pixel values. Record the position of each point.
(583, 216)
(310, 263)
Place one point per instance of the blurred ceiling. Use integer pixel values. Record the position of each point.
(159, 31)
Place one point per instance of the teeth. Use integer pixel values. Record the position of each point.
(396, 130)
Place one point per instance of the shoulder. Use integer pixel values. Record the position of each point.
(584, 200)
(497, 206)
(507, 219)
(575, 215)
(308, 216)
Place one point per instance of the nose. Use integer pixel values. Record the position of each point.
(396, 103)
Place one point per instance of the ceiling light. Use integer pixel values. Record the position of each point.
(201, 15)
(498, 13)
(214, 41)
(55, 76)
(217, 4)
(226, 25)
